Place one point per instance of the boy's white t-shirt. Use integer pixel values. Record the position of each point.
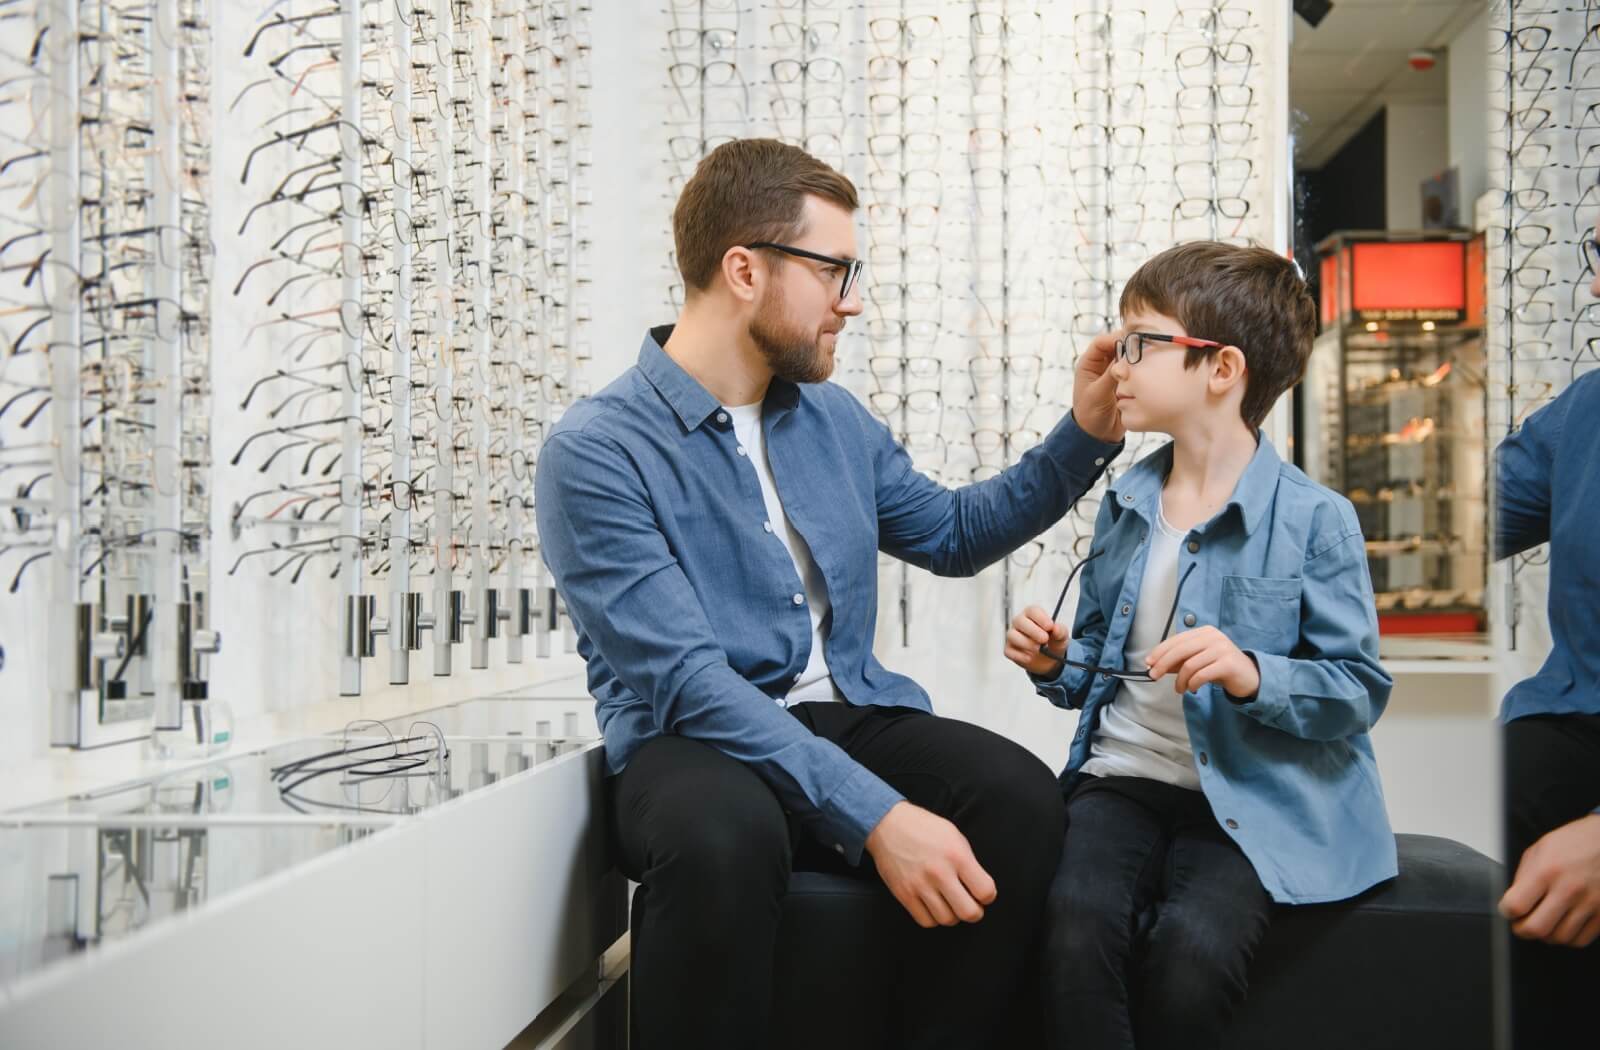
(1142, 732)
(815, 682)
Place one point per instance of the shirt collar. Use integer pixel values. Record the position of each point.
(692, 402)
(1251, 496)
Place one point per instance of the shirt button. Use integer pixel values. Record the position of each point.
(1128, 498)
(1126, 608)
(1194, 546)
(766, 526)
(722, 417)
(799, 599)
(780, 701)
(741, 451)
(1232, 824)
(1105, 677)
(1099, 461)
(1204, 761)
(1188, 619)
(838, 848)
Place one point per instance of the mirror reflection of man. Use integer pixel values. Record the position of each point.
(1549, 492)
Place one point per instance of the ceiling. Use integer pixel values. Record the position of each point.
(1346, 69)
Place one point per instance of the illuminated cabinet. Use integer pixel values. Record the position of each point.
(1392, 414)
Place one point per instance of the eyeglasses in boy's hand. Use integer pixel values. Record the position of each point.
(1024, 632)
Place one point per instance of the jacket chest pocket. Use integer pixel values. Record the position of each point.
(1261, 612)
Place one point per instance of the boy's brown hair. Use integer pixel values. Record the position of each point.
(746, 191)
(1251, 298)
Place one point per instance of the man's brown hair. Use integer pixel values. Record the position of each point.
(745, 191)
(1251, 298)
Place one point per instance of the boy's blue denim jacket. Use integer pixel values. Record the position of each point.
(1282, 571)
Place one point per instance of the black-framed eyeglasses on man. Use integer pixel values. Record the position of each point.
(1131, 346)
(1112, 672)
(851, 268)
(1589, 248)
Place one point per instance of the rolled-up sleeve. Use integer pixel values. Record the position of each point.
(1523, 465)
(957, 532)
(631, 599)
(1332, 685)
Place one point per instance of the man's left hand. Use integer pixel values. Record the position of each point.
(1094, 392)
(1204, 655)
(1555, 897)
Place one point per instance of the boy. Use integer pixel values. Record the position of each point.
(1226, 766)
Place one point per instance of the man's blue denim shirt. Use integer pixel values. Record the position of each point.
(689, 611)
(1548, 491)
(1282, 571)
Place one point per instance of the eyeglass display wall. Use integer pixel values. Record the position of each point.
(289, 293)
(1016, 163)
(1543, 326)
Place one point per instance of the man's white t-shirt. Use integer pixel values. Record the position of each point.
(1142, 732)
(815, 682)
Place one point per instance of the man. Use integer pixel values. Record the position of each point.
(712, 519)
(1549, 491)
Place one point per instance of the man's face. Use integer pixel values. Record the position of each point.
(1594, 286)
(798, 320)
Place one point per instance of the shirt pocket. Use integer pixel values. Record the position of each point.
(1261, 612)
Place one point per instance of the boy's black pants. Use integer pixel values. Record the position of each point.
(1152, 920)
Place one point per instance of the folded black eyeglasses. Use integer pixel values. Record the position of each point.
(1112, 672)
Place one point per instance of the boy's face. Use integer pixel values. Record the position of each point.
(1157, 393)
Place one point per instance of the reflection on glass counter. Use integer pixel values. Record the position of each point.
(371, 771)
(1392, 413)
(67, 889)
(100, 865)
(561, 716)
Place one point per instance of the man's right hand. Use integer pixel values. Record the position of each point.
(929, 867)
(1094, 391)
(1032, 628)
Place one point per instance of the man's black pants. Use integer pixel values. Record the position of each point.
(1552, 778)
(713, 849)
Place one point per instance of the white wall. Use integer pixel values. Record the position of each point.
(630, 204)
(1415, 149)
(1468, 118)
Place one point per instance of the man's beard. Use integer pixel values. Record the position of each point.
(791, 353)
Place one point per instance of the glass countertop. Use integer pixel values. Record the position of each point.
(65, 889)
(370, 772)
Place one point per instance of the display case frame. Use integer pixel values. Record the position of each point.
(1392, 413)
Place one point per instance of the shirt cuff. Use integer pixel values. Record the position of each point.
(1081, 456)
(1272, 697)
(1041, 681)
(855, 808)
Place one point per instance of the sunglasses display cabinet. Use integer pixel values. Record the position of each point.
(1391, 413)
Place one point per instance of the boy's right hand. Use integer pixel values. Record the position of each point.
(1032, 628)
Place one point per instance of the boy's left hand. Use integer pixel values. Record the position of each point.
(1204, 655)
